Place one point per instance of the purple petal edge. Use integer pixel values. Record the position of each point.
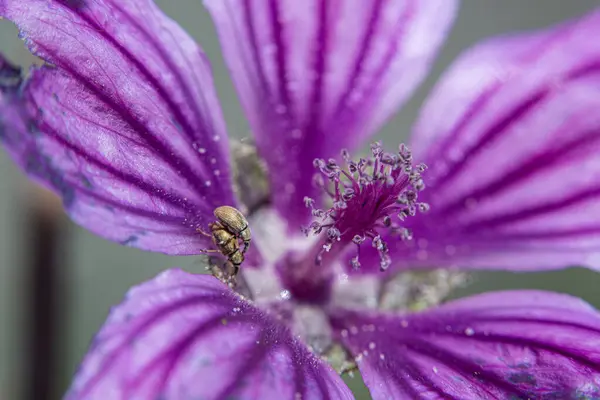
(317, 76)
(123, 123)
(183, 336)
(503, 345)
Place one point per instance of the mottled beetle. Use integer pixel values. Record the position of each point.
(235, 223)
(230, 227)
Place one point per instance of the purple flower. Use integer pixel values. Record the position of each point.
(123, 123)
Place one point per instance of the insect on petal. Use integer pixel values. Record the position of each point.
(318, 76)
(123, 122)
(184, 336)
(514, 344)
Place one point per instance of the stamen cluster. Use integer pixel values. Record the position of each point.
(366, 197)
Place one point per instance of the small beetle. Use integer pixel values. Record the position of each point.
(231, 226)
(235, 223)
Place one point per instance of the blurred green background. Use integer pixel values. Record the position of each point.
(97, 273)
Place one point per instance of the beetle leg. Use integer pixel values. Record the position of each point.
(199, 230)
(209, 251)
(231, 270)
(246, 245)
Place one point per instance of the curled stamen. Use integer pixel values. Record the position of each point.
(308, 202)
(423, 207)
(348, 194)
(340, 205)
(370, 194)
(318, 213)
(333, 234)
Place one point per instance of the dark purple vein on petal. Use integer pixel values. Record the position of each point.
(136, 125)
(142, 69)
(504, 238)
(413, 370)
(185, 88)
(525, 107)
(531, 343)
(392, 49)
(584, 71)
(281, 62)
(550, 206)
(468, 368)
(550, 159)
(361, 55)
(254, 81)
(489, 336)
(157, 316)
(248, 366)
(401, 381)
(249, 20)
(318, 66)
(163, 194)
(440, 150)
(137, 211)
(521, 109)
(174, 353)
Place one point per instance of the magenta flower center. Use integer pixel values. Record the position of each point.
(367, 198)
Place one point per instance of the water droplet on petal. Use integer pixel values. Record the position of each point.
(469, 331)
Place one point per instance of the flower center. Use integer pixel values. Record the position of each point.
(366, 198)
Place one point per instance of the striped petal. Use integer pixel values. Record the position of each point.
(123, 122)
(504, 345)
(512, 139)
(183, 336)
(315, 76)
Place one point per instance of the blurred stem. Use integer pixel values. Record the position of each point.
(42, 295)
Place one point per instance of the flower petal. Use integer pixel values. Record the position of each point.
(183, 336)
(315, 76)
(511, 136)
(124, 125)
(514, 344)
